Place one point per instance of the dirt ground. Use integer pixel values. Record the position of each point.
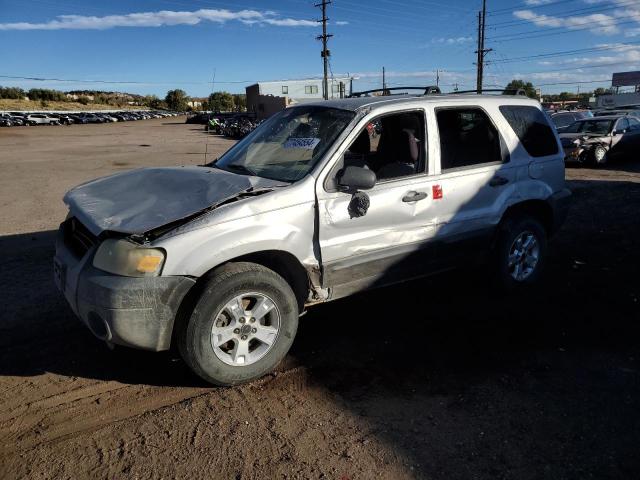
(475, 386)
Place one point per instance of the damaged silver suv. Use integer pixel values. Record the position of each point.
(321, 201)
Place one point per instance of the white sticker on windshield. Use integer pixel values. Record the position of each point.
(302, 143)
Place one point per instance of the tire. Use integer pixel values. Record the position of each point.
(197, 338)
(598, 155)
(514, 268)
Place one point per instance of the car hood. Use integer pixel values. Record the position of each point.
(138, 201)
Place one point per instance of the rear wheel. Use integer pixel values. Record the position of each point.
(242, 326)
(520, 252)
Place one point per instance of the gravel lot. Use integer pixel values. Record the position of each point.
(542, 385)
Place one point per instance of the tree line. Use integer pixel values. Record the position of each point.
(216, 102)
(177, 99)
(530, 90)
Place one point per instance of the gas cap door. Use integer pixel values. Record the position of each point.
(536, 170)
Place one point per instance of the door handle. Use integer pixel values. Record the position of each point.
(498, 181)
(414, 197)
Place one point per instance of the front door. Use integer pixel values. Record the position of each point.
(392, 238)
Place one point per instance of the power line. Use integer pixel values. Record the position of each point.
(504, 11)
(552, 31)
(566, 52)
(569, 14)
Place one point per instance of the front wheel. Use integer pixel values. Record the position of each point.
(242, 326)
(520, 252)
(598, 155)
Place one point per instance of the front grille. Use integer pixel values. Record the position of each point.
(77, 238)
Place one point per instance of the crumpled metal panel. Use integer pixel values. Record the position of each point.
(141, 200)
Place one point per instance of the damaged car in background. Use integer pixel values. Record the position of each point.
(221, 260)
(596, 140)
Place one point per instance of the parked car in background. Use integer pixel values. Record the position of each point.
(305, 210)
(596, 140)
(563, 119)
(63, 119)
(5, 122)
(41, 119)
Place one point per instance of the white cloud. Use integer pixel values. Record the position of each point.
(159, 19)
(452, 40)
(600, 23)
(340, 23)
(535, 3)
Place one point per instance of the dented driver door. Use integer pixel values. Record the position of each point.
(392, 241)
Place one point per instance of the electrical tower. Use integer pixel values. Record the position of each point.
(481, 52)
(325, 54)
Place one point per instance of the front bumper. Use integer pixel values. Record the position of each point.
(135, 312)
(573, 153)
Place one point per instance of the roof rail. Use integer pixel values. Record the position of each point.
(505, 91)
(428, 90)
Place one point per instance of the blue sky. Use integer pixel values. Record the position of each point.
(150, 46)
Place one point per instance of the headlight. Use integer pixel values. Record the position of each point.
(128, 259)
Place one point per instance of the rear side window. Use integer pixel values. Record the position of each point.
(532, 129)
(467, 138)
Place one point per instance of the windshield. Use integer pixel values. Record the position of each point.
(288, 145)
(592, 127)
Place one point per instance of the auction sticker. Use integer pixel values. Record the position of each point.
(302, 143)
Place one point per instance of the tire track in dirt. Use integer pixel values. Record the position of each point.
(88, 409)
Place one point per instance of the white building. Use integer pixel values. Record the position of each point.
(267, 98)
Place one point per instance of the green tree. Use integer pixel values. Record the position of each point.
(177, 100)
(12, 92)
(220, 102)
(152, 101)
(240, 102)
(600, 91)
(515, 85)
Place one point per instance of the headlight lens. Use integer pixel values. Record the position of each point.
(128, 259)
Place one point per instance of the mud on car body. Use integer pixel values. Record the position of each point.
(221, 260)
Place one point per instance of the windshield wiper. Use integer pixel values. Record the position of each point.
(236, 167)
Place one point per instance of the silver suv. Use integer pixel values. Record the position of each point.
(321, 201)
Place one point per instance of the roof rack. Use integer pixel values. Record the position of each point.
(429, 90)
(505, 91)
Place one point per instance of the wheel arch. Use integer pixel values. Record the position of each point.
(538, 209)
(283, 263)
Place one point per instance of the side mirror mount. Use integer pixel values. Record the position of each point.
(356, 178)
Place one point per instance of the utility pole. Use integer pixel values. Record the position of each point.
(384, 83)
(482, 17)
(437, 78)
(325, 53)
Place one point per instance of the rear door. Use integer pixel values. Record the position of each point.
(475, 176)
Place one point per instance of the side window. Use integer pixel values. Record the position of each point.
(467, 138)
(532, 129)
(623, 124)
(634, 125)
(393, 146)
